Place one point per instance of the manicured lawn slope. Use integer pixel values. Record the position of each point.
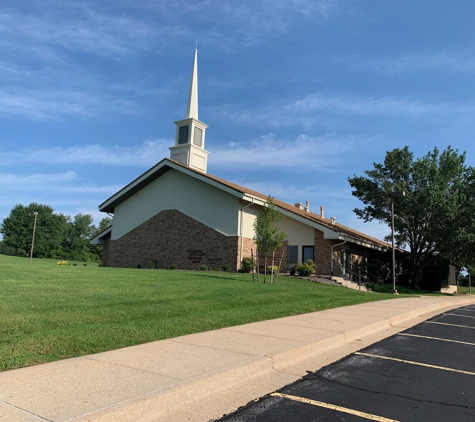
(51, 312)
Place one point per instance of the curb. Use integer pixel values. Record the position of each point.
(166, 403)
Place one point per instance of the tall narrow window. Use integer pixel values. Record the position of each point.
(307, 253)
(292, 256)
(198, 138)
(183, 134)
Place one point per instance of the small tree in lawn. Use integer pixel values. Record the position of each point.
(268, 237)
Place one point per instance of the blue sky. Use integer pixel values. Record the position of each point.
(299, 95)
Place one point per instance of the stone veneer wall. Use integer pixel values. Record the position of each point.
(172, 237)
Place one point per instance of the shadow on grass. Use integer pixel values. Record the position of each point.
(221, 277)
(403, 290)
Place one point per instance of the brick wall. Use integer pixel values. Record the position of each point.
(105, 252)
(172, 237)
(322, 253)
(248, 245)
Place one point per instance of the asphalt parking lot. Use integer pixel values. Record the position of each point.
(426, 373)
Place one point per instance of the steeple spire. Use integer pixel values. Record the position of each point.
(192, 107)
(189, 146)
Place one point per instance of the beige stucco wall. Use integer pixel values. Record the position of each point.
(249, 215)
(174, 190)
(298, 234)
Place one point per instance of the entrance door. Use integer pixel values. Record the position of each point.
(307, 253)
(345, 261)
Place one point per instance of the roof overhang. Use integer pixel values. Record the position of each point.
(153, 174)
(101, 237)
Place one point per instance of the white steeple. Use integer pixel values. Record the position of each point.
(192, 108)
(190, 132)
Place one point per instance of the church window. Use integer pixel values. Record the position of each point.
(183, 134)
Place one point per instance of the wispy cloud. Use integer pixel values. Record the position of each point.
(66, 192)
(144, 155)
(445, 59)
(46, 105)
(75, 29)
(331, 109)
(323, 153)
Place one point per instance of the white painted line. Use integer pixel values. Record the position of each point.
(335, 407)
(450, 325)
(464, 316)
(437, 338)
(459, 371)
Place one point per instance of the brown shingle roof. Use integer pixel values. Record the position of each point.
(284, 205)
(162, 167)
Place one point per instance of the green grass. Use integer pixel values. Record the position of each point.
(50, 312)
(465, 290)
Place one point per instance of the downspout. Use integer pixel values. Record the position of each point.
(241, 228)
(331, 256)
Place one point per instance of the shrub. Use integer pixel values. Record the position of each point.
(204, 268)
(173, 267)
(62, 263)
(138, 266)
(101, 264)
(247, 264)
(226, 267)
(85, 264)
(75, 265)
(305, 269)
(153, 264)
(269, 269)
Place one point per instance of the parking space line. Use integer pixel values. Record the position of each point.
(334, 407)
(451, 325)
(464, 316)
(444, 368)
(437, 338)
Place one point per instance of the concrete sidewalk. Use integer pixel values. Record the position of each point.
(200, 377)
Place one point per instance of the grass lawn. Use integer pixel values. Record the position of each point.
(465, 290)
(50, 312)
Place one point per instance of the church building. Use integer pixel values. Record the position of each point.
(177, 213)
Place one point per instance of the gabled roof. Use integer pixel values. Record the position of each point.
(240, 191)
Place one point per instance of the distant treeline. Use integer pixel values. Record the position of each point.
(57, 236)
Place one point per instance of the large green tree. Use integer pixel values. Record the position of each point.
(436, 217)
(57, 235)
(17, 230)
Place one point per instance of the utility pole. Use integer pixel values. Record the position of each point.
(35, 213)
(394, 195)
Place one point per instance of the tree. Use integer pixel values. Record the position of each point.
(268, 237)
(436, 217)
(103, 224)
(76, 242)
(17, 230)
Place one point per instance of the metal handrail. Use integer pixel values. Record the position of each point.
(356, 275)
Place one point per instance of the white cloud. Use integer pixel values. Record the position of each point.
(46, 105)
(324, 153)
(144, 155)
(323, 110)
(445, 59)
